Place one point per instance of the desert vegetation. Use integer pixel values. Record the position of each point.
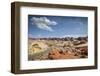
(57, 48)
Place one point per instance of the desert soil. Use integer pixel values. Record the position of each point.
(57, 49)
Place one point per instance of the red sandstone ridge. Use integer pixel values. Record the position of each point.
(57, 54)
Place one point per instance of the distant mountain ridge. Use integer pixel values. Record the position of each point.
(64, 38)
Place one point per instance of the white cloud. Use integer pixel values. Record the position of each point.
(39, 36)
(43, 23)
(73, 35)
(30, 35)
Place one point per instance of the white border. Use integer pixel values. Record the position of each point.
(25, 64)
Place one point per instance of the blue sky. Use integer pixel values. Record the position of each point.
(40, 26)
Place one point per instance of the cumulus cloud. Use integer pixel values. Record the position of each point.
(43, 23)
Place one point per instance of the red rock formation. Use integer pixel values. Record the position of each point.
(58, 54)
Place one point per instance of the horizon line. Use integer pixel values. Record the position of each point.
(58, 37)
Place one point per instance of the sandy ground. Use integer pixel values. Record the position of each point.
(55, 49)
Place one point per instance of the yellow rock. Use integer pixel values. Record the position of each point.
(37, 47)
